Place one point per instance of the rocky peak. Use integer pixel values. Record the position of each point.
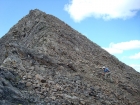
(43, 61)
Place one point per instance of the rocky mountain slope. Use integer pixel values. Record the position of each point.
(43, 61)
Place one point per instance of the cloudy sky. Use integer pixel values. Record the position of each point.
(112, 24)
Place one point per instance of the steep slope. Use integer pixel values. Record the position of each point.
(44, 61)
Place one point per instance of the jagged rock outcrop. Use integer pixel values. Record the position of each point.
(43, 61)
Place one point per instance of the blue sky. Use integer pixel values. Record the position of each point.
(114, 25)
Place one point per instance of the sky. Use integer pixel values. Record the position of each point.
(112, 24)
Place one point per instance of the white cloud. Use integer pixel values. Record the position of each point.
(106, 9)
(113, 50)
(136, 67)
(136, 56)
(120, 47)
(133, 44)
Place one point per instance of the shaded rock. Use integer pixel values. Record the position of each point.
(39, 77)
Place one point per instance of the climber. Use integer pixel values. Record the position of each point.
(107, 73)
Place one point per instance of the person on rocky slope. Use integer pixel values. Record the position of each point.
(107, 73)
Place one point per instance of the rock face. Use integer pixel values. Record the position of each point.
(43, 61)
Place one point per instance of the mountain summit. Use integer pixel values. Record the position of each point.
(43, 61)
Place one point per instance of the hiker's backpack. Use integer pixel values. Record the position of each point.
(106, 70)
